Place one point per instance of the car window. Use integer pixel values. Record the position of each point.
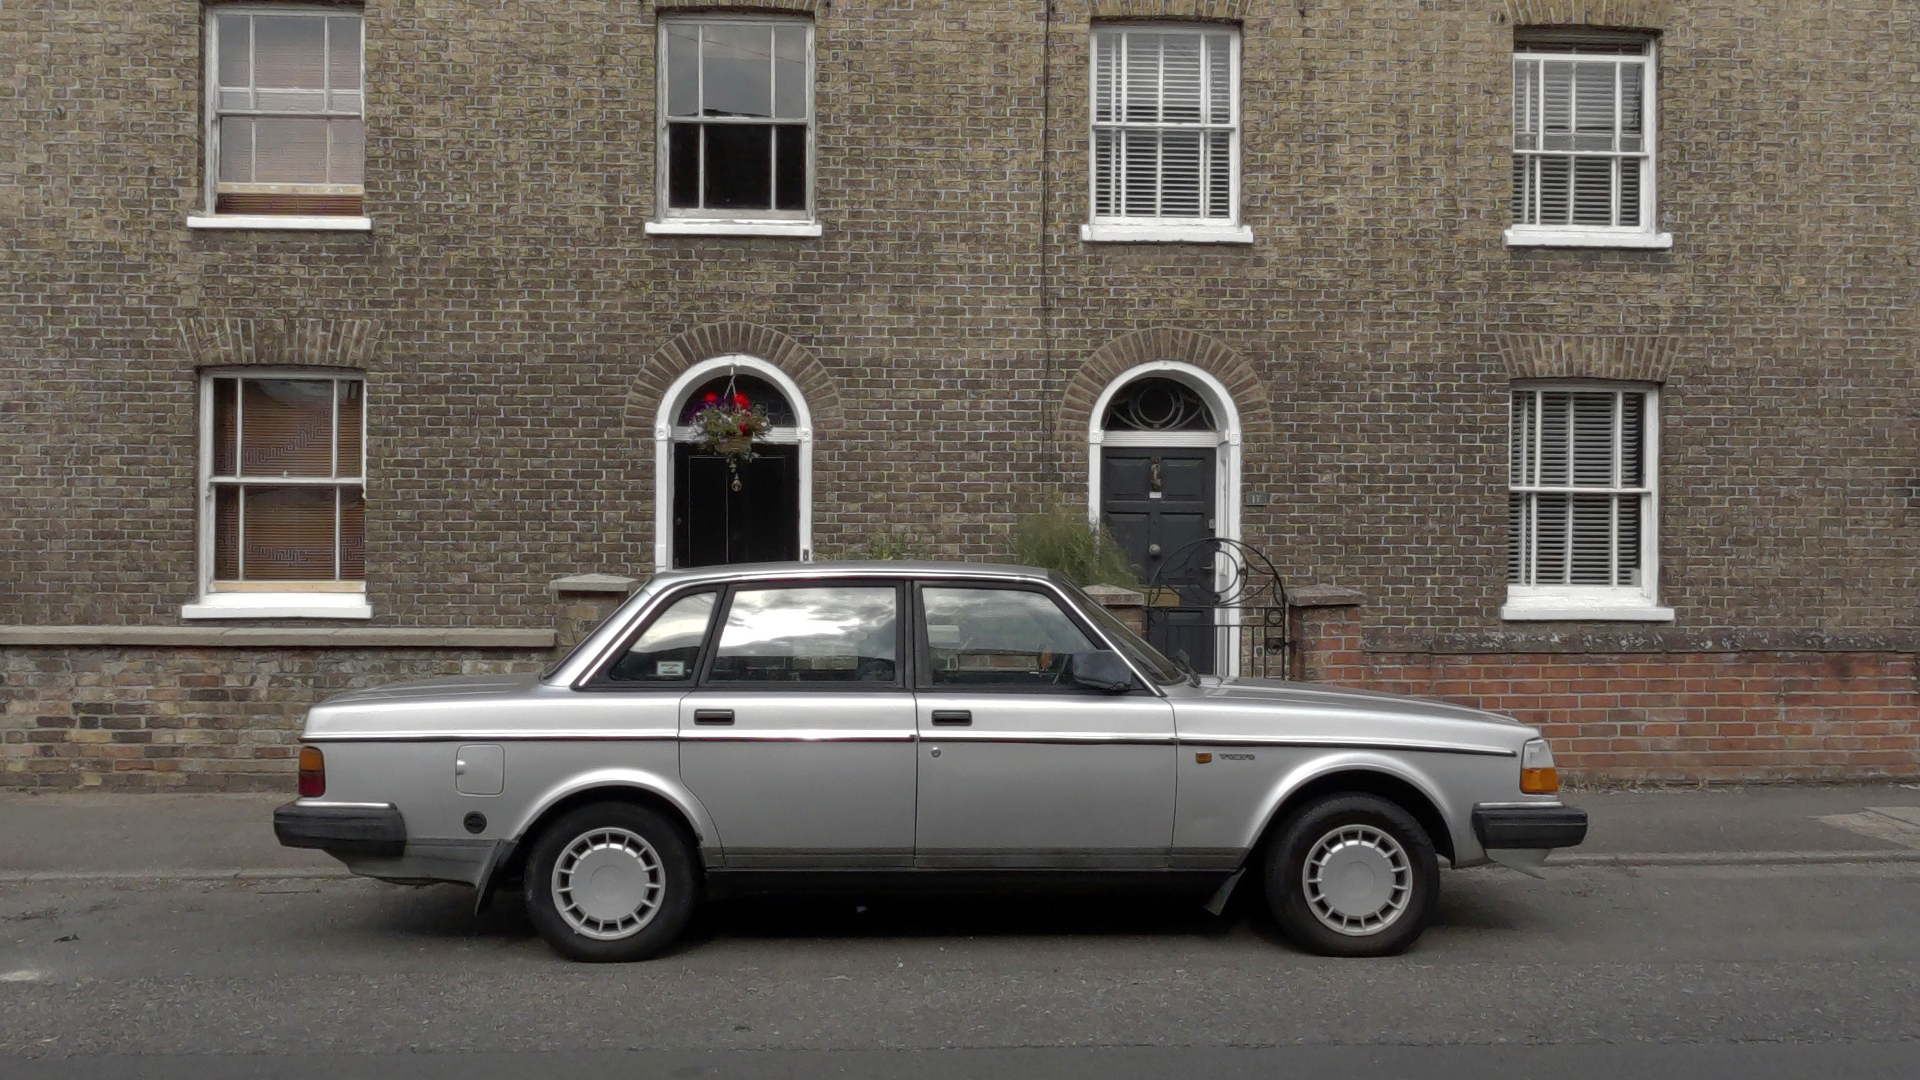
(669, 650)
(1144, 656)
(998, 637)
(809, 635)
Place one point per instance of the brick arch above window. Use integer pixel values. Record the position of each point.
(1125, 353)
(795, 7)
(1599, 14)
(235, 342)
(1185, 10)
(702, 343)
(1623, 357)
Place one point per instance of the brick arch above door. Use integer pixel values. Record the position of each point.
(703, 343)
(1122, 354)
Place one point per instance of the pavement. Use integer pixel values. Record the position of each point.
(82, 836)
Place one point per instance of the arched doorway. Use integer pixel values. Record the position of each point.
(699, 519)
(1165, 471)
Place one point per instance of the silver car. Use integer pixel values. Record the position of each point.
(886, 723)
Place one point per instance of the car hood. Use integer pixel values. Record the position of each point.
(1317, 712)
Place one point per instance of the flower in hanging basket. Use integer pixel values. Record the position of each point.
(728, 425)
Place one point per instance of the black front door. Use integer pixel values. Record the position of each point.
(1156, 501)
(714, 524)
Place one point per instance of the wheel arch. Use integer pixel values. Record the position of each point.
(640, 789)
(1367, 777)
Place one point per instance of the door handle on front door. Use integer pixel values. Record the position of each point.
(952, 717)
(713, 716)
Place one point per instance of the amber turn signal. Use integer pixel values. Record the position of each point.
(1537, 774)
(313, 773)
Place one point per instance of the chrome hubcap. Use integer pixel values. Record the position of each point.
(608, 884)
(1357, 880)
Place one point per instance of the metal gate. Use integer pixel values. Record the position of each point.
(1219, 606)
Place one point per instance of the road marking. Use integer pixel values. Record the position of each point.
(1895, 824)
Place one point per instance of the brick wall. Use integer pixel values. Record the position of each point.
(1663, 708)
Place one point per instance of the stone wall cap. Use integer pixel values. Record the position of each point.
(1325, 596)
(256, 637)
(593, 583)
(1116, 595)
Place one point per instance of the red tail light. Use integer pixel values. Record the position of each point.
(313, 773)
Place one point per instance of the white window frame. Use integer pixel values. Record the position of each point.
(668, 221)
(271, 600)
(1137, 229)
(1625, 603)
(1647, 233)
(208, 217)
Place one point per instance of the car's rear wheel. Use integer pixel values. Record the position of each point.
(1352, 875)
(611, 882)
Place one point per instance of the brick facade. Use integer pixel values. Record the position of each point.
(950, 330)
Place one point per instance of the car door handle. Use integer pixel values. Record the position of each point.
(713, 716)
(952, 717)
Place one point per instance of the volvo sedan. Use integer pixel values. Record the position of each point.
(892, 723)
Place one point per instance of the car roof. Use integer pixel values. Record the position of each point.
(848, 568)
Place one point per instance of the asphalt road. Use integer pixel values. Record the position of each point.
(1748, 971)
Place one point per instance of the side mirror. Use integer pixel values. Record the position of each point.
(1101, 670)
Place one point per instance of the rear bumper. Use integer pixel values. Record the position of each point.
(342, 830)
(1500, 828)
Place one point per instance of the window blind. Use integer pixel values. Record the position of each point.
(1578, 487)
(1164, 124)
(289, 133)
(1581, 150)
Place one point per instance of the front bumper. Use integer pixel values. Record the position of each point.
(1505, 828)
(375, 830)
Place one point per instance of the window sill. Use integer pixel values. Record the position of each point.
(281, 222)
(1575, 612)
(287, 605)
(1166, 234)
(1580, 238)
(733, 228)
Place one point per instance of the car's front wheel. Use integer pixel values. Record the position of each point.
(1352, 875)
(610, 882)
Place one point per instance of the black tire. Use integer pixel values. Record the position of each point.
(571, 934)
(1366, 818)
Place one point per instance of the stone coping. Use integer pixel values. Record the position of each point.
(1325, 596)
(593, 583)
(249, 637)
(1624, 640)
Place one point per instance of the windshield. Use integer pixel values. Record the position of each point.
(1144, 656)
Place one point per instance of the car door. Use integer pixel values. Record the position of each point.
(1019, 768)
(799, 737)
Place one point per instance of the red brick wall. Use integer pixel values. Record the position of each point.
(1732, 714)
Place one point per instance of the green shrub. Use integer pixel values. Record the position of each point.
(898, 543)
(1062, 540)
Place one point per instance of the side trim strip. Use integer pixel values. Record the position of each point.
(1347, 744)
(481, 736)
(1056, 737)
(797, 735)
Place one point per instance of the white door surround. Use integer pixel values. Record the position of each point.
(666, 432)
(1225, 436)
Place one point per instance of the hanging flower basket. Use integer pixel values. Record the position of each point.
(727, 425)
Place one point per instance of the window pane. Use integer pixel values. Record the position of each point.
(1181, 86)
(289, 51)
(1220, 174)
(290, 151)
(1593, 89)
(1526, 92)
(1630, 190)
(1106, 172)
(1550, 513)
(226, 404)
(1553, 439)
(669, 649)
(1180, 174)
(287, 427)
(1593, 439)
(236, 149)
(1593, 190)
(346, 157)
(1633, 102)
(1106, 76)
(737, 69)
(683, 69)
(288, 534)
(343, 53)
(809, 635)
(739, 166)
(1632, 440)
(790, 167)
(1142, 103)
(351, 419)
(998, 637)
(1592, 540)
(235, 43)
(683, 165)
(353, 534)
(1219, 79)
(1516, 537)
(1556, 87)
(1629, 540)
(1553, 181)
(1142, 180)
(790, 72)
(226, 533)
(1520, 437)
